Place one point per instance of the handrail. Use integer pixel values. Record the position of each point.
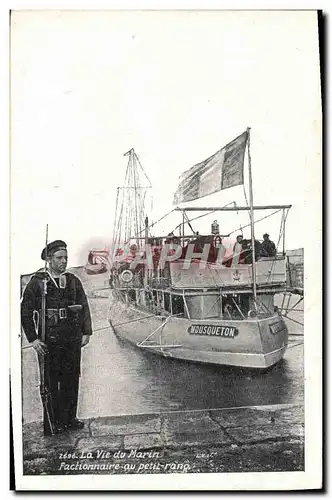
(230, 209)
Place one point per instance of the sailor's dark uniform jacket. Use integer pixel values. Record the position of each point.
(268, 248)
(67, 320)
(63, 321)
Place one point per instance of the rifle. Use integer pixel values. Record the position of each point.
(42, 359)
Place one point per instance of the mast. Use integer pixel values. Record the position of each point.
(135, 194)
(130, 203)
(252, 223)
(283, 233)
(146, 237)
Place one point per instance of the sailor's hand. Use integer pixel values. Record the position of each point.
(39, 347)
(85, 340)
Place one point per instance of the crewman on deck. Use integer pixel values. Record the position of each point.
(238, 249)
(132, 252)
(155, 260)
(268, 248)
(248, 251)
(68, 329)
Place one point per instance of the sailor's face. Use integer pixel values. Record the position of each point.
(58, 261)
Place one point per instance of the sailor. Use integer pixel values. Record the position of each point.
(155, 260)
(68, 328)
(172, 240)
(268, 248)
(132, 252)
(258, 249)
(169, 238)
(238, 249)
(247, 251)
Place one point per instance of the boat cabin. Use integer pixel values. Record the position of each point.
(198, 289)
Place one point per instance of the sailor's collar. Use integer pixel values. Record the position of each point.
(62, 277)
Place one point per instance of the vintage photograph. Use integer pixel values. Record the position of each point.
(165, 217)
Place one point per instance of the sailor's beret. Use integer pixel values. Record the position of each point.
(52, 247)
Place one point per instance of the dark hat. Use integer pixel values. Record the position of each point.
(52, 247)
(265, 235)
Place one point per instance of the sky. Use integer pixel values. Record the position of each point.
(177, 86)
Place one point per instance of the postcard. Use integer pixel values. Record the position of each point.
(166, 197)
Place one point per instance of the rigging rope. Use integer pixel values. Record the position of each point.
(188, 222)
(203, 215)
(115, 219)
(259, 220)
(142, 169)
(119, 224)
(283, 220)
(131, 212)
(235, 206)
(154, 223)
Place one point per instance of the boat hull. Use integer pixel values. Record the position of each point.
(99, 268)
(252, 343)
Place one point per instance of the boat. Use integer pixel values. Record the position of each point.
(172, 298)
(98, 261)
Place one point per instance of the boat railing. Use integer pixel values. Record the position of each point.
(269, 272)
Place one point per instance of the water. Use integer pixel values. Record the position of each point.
(125, 380)
(118, 379)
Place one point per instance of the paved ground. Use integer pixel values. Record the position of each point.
(266, 438)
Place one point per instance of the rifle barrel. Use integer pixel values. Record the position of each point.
(44, 388)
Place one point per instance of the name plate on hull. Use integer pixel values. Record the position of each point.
(213, 330)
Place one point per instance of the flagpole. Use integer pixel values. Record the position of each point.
(252, 222)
